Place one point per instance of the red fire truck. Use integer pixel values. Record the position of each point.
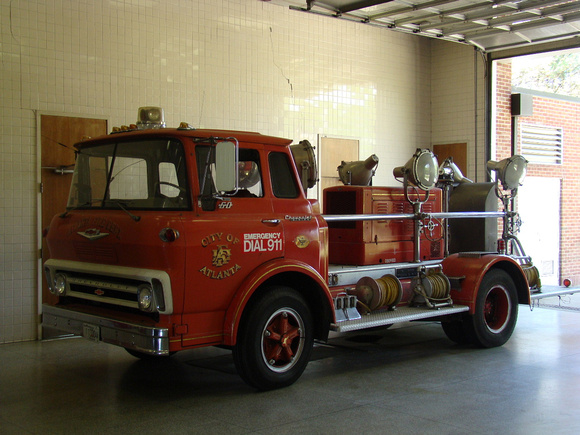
(178, 238)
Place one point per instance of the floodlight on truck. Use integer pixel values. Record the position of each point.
(422, 170)
(511, 171)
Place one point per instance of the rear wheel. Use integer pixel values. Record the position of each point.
(274, 340)
(496, 310)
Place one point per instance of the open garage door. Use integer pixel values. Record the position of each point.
(490, 25)
(535, 113)
(540, 233)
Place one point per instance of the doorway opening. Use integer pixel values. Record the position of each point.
(57, 136)
(535, 113)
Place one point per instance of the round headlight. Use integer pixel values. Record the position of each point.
(59, 287)
(145, 298)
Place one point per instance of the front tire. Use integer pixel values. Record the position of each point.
(274, 340)
(496, 310)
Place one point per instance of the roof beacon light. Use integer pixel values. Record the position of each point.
(511, 171)
(150, 117)
(422, 170)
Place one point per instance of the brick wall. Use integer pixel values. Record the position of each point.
(503, 110)
(554, 112)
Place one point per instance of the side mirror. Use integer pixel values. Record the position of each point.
(226, 167)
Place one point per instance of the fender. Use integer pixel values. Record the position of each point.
(472, 268)
(255, 280)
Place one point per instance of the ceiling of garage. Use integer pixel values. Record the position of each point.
(490, 25)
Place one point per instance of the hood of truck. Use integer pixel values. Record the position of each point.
(112, 237)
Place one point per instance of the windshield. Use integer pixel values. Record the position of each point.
(148, 174)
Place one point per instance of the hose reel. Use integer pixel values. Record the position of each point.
(432, 289)
(532, 275)
(374, 294)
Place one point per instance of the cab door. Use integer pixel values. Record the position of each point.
(302, 231)
(229, 241)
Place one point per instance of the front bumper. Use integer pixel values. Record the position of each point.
(151, 340)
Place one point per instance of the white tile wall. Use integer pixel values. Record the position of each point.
(457, 70)
(241, 64)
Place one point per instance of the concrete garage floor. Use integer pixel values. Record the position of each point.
(405, 380)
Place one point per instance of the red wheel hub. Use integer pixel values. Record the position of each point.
(282, 341)
(496, 309)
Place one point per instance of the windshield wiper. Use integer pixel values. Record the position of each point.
(84, 204)
(117, 203)
(122, 207)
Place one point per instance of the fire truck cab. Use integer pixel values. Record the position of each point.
(178, 238)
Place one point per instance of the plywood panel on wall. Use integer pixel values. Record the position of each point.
(332, 152)
(57, 137)
(456, 150)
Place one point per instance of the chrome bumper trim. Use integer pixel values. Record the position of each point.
(132, 336)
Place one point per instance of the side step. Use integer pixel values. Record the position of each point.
(400, 315)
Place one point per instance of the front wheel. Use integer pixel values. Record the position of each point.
(496, 309)
(274, 340)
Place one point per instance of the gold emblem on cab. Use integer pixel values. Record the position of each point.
(302, 241)
(220, 256)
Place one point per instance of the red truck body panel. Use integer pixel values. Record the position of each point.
(378, 241)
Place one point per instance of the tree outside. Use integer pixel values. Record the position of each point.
(557, 74)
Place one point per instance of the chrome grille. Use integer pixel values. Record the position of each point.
(103, 291)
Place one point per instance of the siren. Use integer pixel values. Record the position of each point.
(358, 173)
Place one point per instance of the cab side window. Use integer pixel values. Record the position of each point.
(249, 172)
(283, 183)
(249, 175)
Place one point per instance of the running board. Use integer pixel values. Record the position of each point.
(549, 291)
(400, 315)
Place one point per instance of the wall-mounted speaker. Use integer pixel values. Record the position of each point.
(522, 105)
